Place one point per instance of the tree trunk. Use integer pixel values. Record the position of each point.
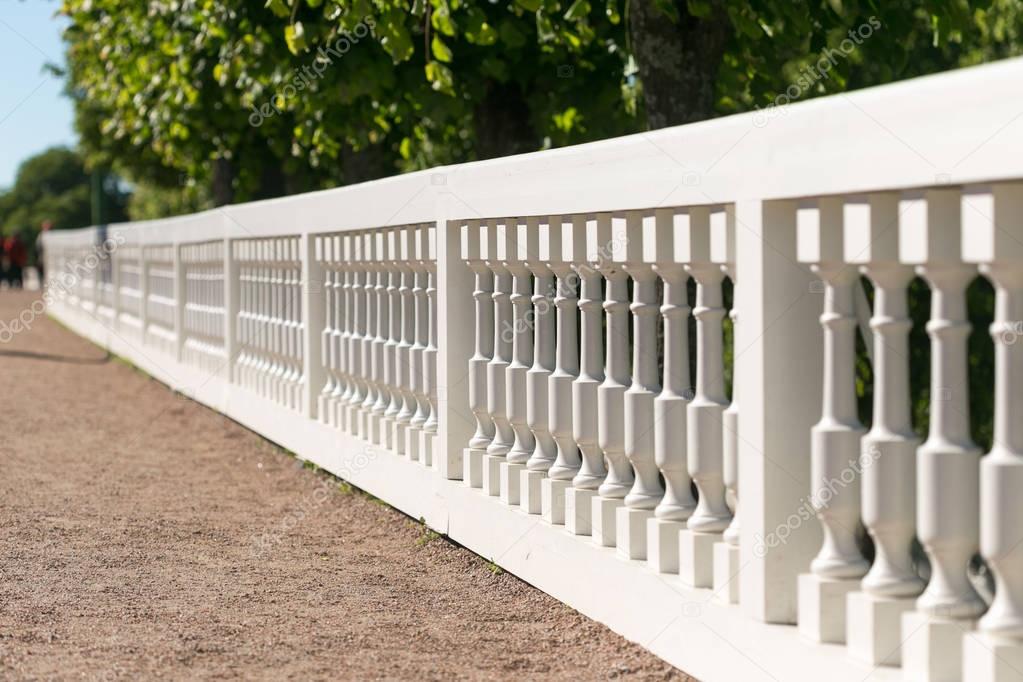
(369, 163)
(223, 182)
(678, 61)
(502, 122)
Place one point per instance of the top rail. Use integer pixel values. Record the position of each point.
(945, 129)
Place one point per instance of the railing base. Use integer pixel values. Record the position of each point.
(874, 627)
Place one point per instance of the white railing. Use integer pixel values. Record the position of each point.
(504, 349)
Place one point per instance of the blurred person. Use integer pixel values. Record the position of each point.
(39, 256)
(17, 256)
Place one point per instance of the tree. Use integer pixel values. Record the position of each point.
(54, 186)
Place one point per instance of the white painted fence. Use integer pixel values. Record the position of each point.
(458, 342)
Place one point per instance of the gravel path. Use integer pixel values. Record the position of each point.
(144, 536)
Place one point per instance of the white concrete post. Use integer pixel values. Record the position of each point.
(560, 241)
(705, 447)
(611, 393)
(646, 491)
(993, 217)
(888, 451)
(454, 347)
(835, 450)
(948, 471)
(313, 322)
(579, 498)
(678, 502)
(538, 255)
(778, 355)
(483, 334)
(231, 306)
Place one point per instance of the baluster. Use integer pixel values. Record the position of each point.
(993, 217)
(380, 349)
(472, 253)
(408, 406)
(348, 321)
(368, 336)
(537, 239)
(888, 450)
(611, 393)
(416, 365)
(391, 375)
(428, 436)
(670, 406)
(297, 376)
(704, 446)
(520, 329)
(355, 366)
(504, 436)
(579, 499)
(280, 315)
(364, 343)
(835, 439)
(561, 242)
(726, 553)
(948, 471)
(647, 491)
(336, 336)
(261, 326)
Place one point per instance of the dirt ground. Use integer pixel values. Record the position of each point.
(143, 536)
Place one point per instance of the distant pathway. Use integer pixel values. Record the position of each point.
(142, 535)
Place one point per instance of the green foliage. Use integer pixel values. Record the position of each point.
(54, 186)
(148, 201)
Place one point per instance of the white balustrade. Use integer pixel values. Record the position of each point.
(203, 267)
(341, 326)
(158, 272)
(128, 264)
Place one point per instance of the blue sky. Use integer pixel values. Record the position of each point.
(34, 115)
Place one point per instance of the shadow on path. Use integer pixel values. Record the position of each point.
(31, 355)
